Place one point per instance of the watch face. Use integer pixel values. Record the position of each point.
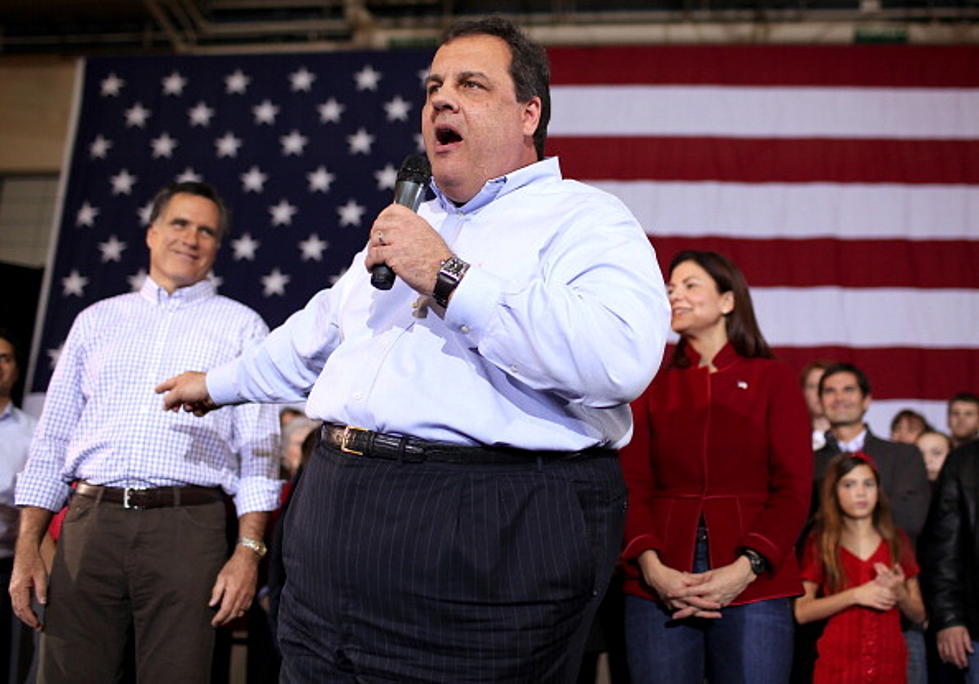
(448, 278)
(756, 562)
(453, 267)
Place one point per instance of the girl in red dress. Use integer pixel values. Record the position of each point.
(858, 570)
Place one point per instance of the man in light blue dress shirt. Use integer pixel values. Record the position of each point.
(16, 428)
(461, 516)
(144, 540)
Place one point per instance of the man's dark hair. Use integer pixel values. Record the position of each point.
(529, 68)
(741, 324)
(6, 335)
(913, 416)
(204, 190)
(964, 396)
(17, 391)
(843, 367)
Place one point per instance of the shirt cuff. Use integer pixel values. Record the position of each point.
(221, 384)
(257, 495)
(42, 496)
(470, 310)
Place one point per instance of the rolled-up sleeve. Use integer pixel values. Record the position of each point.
(41, 484)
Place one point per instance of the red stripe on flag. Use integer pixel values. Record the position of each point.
(845, 263)
(900, 373)
(768, 160)
(792, 65)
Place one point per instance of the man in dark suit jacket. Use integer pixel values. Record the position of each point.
(845, 394)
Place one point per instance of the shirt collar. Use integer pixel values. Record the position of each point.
(544, 169)
(155, 294)
(8, 411)
(855, 444)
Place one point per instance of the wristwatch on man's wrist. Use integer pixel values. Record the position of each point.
(756, 560)
(256, 545)
(449, 276)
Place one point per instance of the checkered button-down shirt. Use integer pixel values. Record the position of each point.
(102, 421)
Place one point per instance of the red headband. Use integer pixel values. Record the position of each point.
(865, 457)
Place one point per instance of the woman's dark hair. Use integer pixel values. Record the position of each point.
(913, 417)
(529, 68)
(741, 325)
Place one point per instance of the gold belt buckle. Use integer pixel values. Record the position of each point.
(347, 436)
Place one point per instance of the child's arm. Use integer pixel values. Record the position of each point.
(808, 608)
(910, 603)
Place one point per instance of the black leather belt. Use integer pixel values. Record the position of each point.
(361, 442)
(154, 497)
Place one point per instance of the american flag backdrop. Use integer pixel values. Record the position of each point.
(843, 180)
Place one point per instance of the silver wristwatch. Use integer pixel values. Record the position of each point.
(256, 545)
(450, 275)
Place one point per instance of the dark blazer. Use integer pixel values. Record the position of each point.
(902, 476)
(733, 447)
(950, 544)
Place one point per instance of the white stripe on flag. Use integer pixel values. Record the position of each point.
(779, 112)
(802, 210)
(867, 317)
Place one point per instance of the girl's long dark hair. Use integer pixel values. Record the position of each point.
(742, 327)
(829, 520)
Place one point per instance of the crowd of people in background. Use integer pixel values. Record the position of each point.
(901, 477)
(719, 470)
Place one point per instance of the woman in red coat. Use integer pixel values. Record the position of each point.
(719, 472)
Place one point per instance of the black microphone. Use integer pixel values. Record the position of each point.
(408, 192)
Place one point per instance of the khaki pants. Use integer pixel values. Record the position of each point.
(153, 568)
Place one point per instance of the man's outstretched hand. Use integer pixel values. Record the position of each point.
(188, 391)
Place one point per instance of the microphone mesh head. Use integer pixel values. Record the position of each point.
(415, 169)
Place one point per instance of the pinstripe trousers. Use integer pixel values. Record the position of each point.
(434, 572)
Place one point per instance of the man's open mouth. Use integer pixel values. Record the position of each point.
(446, 135)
